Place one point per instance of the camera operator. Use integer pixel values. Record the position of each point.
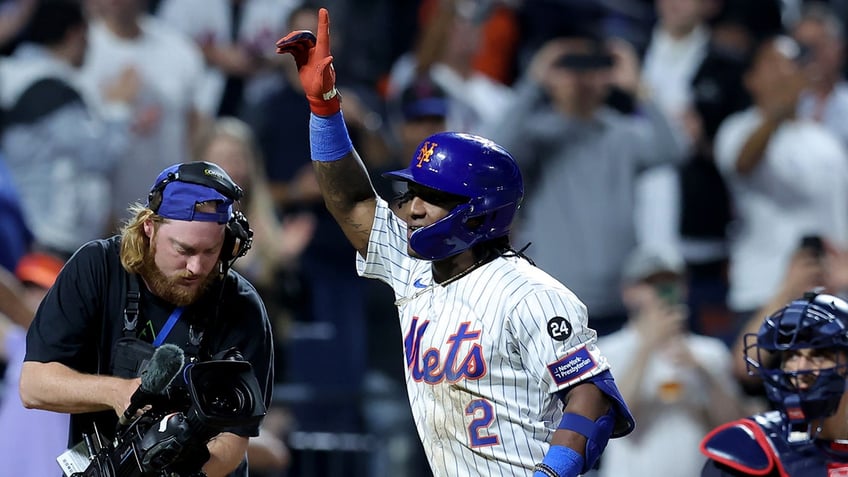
(166, 278)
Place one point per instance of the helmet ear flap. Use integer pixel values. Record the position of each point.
(495, 219)
(464, 227)
(445, 237)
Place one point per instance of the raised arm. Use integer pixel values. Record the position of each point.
(344, 181)
(754, 148)
(12, 304)
(349, 196)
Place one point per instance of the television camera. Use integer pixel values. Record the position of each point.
(169, 438)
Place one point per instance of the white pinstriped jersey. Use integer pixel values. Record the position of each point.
(484, 355)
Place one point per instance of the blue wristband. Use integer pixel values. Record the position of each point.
(328, 137)
(562, 461)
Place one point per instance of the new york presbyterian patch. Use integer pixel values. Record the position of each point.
(572, 366)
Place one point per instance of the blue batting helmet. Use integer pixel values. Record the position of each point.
(469, 166)
(817, 321)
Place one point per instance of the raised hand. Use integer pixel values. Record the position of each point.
(314, 65)
(626, 71)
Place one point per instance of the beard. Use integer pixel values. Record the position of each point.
(172, 289)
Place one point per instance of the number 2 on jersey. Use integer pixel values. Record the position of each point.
(478, 429)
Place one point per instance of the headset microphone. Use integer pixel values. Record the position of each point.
(165, 365)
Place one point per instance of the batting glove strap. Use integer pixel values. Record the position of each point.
(560, 461)
(330, 94)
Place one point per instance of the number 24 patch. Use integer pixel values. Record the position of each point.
(559, 328)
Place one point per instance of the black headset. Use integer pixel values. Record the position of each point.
(238, 236)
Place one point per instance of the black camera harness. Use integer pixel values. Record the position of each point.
(131, 314)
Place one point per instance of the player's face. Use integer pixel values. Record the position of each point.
(426, 206)
(182, 258)
(808, 362)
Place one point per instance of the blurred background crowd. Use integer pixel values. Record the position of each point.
(685, 164)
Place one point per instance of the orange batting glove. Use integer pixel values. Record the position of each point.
(314, 65)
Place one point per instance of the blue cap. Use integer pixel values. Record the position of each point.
(180, 199)
(424, 98)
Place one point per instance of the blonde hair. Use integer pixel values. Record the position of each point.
(134, 242)
(258, 204)
(239, 131)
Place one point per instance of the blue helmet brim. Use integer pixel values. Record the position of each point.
(399, 175)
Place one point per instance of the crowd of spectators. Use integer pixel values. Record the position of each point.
(702, 139)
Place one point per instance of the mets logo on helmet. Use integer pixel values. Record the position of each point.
(425, 152)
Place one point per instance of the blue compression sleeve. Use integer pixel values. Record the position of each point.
(328, 137)
(560, 461)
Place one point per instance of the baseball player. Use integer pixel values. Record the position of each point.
(801, 354)
(502, 373)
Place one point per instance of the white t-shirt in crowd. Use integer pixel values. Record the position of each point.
(261, 24)
(669, 66)
(830, 112)
(669, 428)
(800, 187)
(170, 67)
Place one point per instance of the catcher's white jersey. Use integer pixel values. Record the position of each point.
(484, 355)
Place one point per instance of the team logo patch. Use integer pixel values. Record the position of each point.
(572, 366)
(559, 328)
